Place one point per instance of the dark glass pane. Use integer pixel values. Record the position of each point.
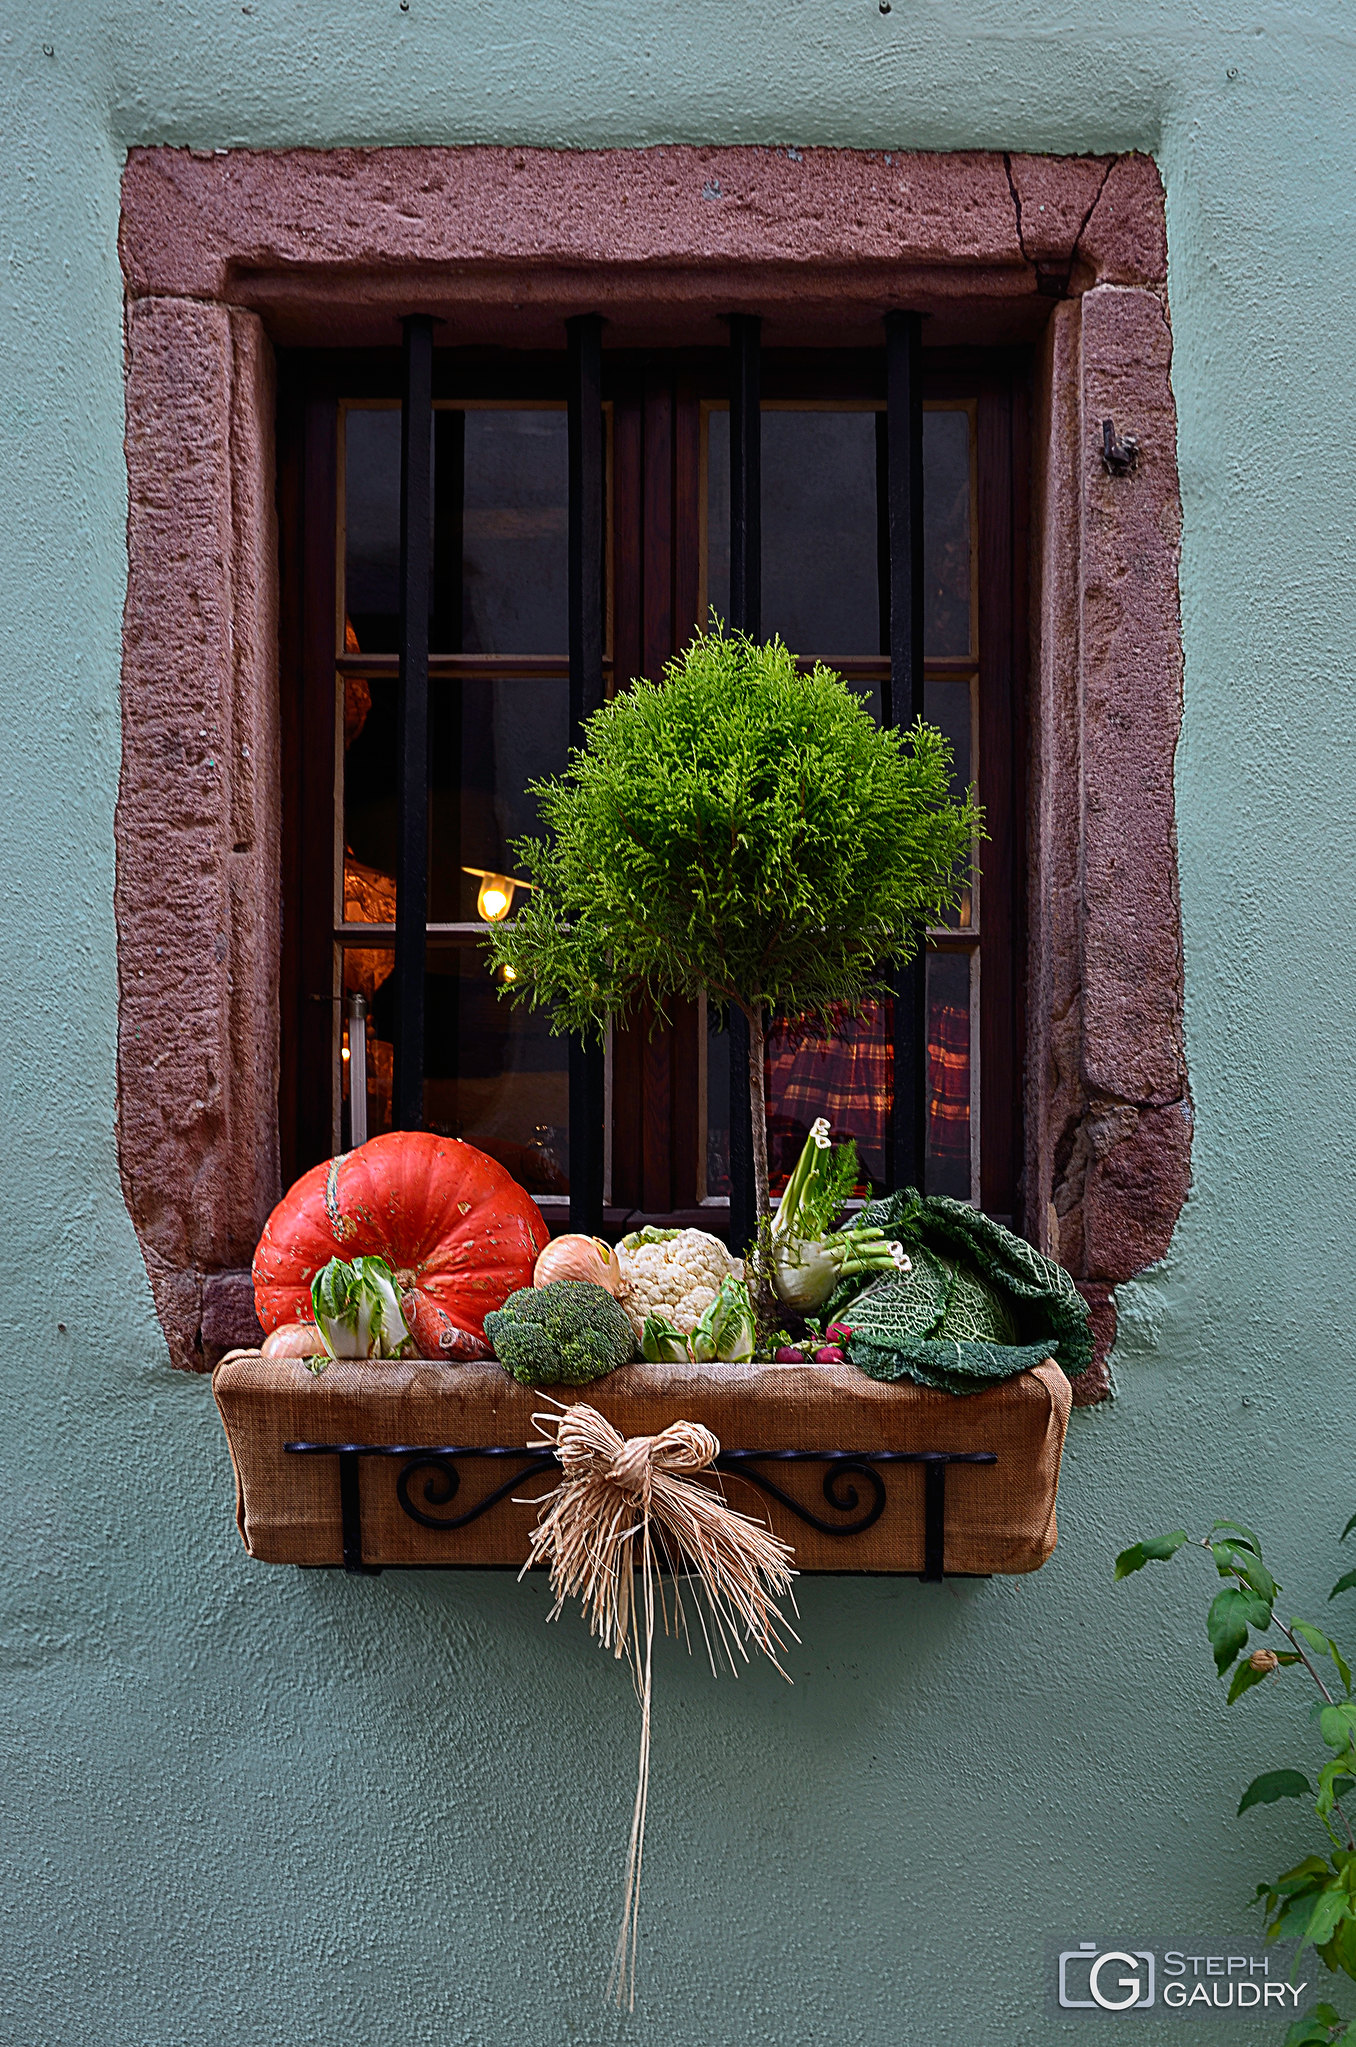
(493, 1074)
(717, 1106)
(514, 585)
(949, 1076)
(488, 738)
(370, 779)
(946, 534)
(947, 705)
(821, 587)
(718, 513)
(512, 508)
(366, 971)
(372, 528)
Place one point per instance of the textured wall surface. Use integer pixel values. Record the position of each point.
(250, 1806)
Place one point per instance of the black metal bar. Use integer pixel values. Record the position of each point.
(746, 616)
(416, 550)
(351, 1514)
(901, 704)
(934, 1520)
(587, 599)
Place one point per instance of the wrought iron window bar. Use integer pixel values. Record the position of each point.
(443, 1482)
(901, 448)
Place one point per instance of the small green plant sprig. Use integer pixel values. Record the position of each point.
(1315, 1902)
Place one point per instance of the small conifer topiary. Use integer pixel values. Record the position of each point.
(740, 831)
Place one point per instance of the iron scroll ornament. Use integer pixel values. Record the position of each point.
(443, 1482)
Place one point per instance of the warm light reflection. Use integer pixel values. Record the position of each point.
(494, 899)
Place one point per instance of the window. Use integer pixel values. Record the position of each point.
(227, 1065)
(499, 717)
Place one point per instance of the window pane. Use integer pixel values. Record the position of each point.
(948, 704)
(946, 534)
(717, 1184)
(821, 588)
(503, 474)
(821, 585)
(847, 1075)
(488, 738)
(372, 528)
(492, 1073)
(949, 1074)
(844, 1075)
(514, 594)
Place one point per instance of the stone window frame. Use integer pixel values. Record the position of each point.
(225, 253)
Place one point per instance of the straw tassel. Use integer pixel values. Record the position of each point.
(631, 1504)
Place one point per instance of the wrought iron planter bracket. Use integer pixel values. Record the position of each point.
(443, 1482)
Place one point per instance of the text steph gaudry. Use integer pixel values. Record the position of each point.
(1176, 1966)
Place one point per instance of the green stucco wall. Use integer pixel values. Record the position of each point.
(247, 1805)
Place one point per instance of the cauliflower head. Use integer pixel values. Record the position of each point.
(673, 1273)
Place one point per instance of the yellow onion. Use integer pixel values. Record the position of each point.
(294, 1340)
(579, 1258)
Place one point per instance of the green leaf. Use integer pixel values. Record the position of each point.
(1310, 2032)
(1231, 1614)
(1333, 1906)
(1265, 1790)
(1337, 1724)
(1347, 1530)
(1341, 1950)
(1343, 1668)
(1343, 1584)
(1303, 1876)
(1334, 1772)
(1158, 1549)
(1318, 2029)
(1237, 1528)
(1234, 1558)
(1245, 1677)
(1311, 1636)
(1294, 1916)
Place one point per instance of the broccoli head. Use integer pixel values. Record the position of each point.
(563, 1334)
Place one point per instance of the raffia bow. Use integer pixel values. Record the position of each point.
(630, 1504)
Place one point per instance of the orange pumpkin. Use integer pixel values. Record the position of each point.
(456, 1229)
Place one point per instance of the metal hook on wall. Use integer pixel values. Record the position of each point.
(1118, 457)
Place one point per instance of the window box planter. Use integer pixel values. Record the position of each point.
(424, 1466)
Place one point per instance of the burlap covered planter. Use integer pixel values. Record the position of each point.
(390, 1505)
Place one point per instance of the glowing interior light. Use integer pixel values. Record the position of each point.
(508, 973)
(495, 898)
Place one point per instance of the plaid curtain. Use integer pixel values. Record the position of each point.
(847, 1075)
